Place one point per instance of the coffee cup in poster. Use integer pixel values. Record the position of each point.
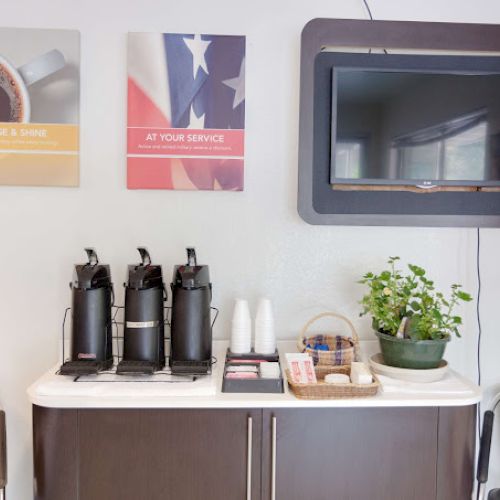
(15, 104)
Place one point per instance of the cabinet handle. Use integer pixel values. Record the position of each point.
(249, 457)
(273, 462)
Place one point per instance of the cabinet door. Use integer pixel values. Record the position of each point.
(456, 452)
(350, 454)
(168, 454)
(55, 454)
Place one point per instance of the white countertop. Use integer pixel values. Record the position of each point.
(56, 391)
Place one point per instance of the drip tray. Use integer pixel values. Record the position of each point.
(141, 367)
(191, 367)
(84, 367)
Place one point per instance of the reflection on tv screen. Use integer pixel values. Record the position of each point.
(415, 128)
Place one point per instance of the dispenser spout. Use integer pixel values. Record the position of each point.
(145, 258)
(191, 253)
(92, 256)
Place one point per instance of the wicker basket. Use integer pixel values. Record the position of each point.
(342, 350)
(322, 390)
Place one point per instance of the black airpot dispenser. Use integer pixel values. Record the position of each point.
(191, 326)
(144, 337)
(91, 327)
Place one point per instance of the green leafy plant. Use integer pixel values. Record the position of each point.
(393, 296)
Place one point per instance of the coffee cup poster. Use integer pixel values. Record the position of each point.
(39, 107)
(186, 111)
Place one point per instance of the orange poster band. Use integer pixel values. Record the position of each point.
(33, 169)
(38, 137)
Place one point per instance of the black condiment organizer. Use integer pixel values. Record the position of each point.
(255, 385)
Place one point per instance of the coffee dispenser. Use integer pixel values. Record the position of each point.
(91, 328)
(191, 327)
(144, 337)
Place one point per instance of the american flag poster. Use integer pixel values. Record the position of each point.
(186, 111)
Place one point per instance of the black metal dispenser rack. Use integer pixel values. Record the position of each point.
(94, 315)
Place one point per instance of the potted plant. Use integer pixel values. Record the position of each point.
(412, 320)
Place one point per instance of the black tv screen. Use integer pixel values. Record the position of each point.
(416, 127)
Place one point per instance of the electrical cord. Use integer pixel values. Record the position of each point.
(495, 406)
(371, 19)
(63, 334)
(368, 9)
(478, 315)
(478, 303)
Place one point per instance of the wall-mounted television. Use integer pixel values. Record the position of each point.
(415, 120)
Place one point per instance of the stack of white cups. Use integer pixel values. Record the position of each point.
(265, 337)
(241, 328)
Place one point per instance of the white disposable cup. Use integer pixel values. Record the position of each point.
(241, 311)
(240, 348)
(31, 72)
(241, 328)
(264, 310)
(265, 324)
(265, 349)
(266, 345)
(265, 337)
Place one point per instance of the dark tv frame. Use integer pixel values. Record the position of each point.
(318, 203)
(404, 63)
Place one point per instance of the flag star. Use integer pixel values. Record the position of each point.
(196, 122)
(198, 47)
(238, 85)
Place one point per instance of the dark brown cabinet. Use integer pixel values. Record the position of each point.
(354, 454)
(131, 454)
(178, 454)
(270, 454)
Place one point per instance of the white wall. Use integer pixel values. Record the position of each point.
(254, 241)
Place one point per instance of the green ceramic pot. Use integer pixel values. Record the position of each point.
(414, 354)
